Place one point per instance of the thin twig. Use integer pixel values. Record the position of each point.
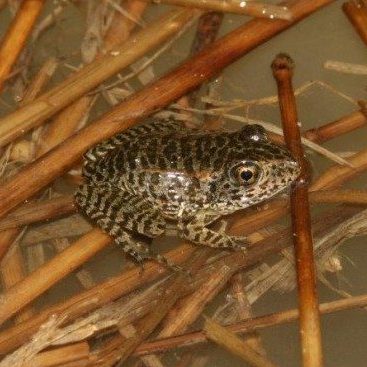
(336, 128)
(234, 344)
(250, 325)
(243, 312)
(346, 67)
(310, 332)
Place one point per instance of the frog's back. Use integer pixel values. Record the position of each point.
(174, 167)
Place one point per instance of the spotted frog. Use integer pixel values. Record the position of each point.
(158, 174)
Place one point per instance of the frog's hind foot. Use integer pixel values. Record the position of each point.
(139, 251)
(140, 258)
(169, 264)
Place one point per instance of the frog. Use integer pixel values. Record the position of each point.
(158, 174)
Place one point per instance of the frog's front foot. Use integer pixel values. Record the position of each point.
(169, 264)
(196, 233)
(239, 243)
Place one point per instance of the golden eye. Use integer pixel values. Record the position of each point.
(248, 174)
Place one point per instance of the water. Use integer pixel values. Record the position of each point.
(326, 35)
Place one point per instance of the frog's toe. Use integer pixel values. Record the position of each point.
(239, 242)
(168, 264)
(222, 226)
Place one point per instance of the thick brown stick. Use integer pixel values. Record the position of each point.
(250, 325)
(310, 332)
(90, 76)
(16, 36)
(336, 128)
(38, 212)
(41, 279)
(356, 11)
(336, 175)
(167, 89)
(330, 130)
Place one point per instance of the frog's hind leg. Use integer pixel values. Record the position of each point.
(121, 208)
(196, 231)
(118, 214)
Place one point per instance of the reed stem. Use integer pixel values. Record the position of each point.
(16, 36)
(310, 332)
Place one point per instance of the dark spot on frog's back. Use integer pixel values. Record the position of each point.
(266, 155)
(188, 164)
(218, 163)
(212, 187)
(162, 162)
(144, 160)
(153, 148)
(199, 152)
(170, 148)
(141, 179)
(236, 196)
(220, 141)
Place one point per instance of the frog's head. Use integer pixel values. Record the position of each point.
(256, 169)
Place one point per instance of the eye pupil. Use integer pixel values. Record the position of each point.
(247, 175)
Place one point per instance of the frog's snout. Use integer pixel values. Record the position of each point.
(291, 169)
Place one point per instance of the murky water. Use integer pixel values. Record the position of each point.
(326, 35)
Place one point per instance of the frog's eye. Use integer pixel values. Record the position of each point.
(248, 173)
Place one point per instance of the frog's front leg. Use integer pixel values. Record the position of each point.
(196, 231)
